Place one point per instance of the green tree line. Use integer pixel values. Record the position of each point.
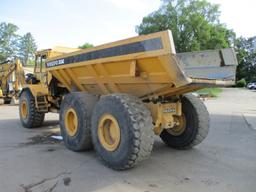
(85, 46)
(196, 26)
(13, 45)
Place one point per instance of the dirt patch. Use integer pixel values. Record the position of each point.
(45, 138)
(51, 150)
(153, 185)
(186, 179)
(66, 181)
(49, 184)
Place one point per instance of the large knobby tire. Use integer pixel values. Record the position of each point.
(196, 126)
(75, 120)
(29, 116)
(135, 127)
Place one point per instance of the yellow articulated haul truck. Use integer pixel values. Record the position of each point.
(12, 78)
(117, 96)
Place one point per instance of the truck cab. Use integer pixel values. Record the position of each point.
(40, 59)
(42, 85)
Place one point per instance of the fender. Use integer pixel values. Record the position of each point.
(35, 90)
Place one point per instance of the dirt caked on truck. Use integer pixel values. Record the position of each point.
(117, 96)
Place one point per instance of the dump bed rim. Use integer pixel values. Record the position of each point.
(164, 46)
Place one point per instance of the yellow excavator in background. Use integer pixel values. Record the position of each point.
(12, 78)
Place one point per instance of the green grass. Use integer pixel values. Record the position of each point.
(210, 92)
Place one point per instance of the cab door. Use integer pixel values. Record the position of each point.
(39, 70)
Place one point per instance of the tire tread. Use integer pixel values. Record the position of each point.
(36, 118)
(142, 129)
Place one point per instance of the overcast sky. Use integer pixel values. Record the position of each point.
(72, 22)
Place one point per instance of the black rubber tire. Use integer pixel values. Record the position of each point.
(34, 119)
(7, 101)
(83, 105)
(136, 130)
(197, 124)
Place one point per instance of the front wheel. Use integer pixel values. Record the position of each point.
(29, 116)
(193, 127)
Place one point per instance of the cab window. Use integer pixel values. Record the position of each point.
(40, 64)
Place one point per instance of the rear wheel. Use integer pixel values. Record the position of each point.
(193, 127)
(122, 131)
(29, 116)
(75, 120)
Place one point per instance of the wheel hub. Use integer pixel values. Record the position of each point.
(180, 128)
(24, 110)
(71, 122)
(109, 132)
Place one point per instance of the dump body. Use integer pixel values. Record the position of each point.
(142, 66)
(122, 126)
